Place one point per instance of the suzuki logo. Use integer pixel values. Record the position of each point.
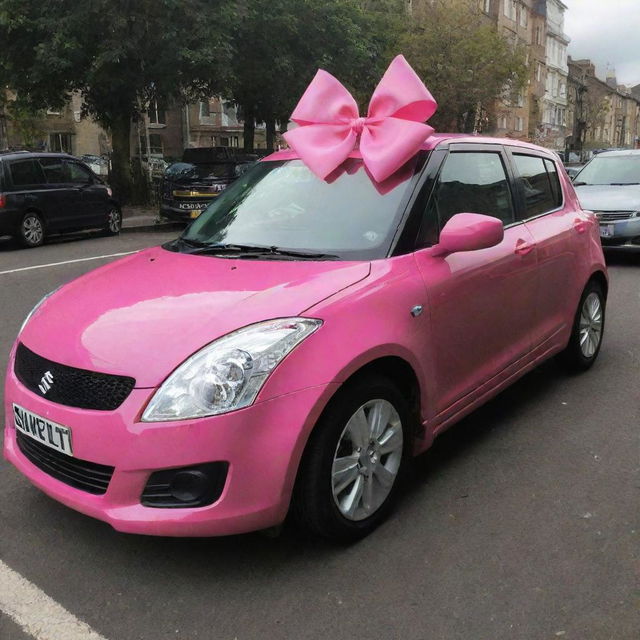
(46, 382)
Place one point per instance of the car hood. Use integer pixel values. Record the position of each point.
(605, 197)
(145, 314)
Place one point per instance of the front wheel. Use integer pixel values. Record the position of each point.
(353, 464)
(588, 329)
(114, 221)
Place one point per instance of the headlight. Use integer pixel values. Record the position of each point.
(228, 373)
(30, 314)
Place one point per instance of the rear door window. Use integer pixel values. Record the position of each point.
(539, 184)
(53, 169)
(26, 173)
(473, 182)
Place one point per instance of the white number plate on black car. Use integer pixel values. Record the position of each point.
(51, 434)
(193, 205)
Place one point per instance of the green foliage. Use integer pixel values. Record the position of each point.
(463, 59)
(119, 54)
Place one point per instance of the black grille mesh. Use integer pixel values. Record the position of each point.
(81, 474)
(70, 386)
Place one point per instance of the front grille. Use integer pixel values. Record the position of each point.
(81, 474)
(68, 385)
(610, 216)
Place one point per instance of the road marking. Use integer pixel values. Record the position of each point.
(57, 264)
(37, 614)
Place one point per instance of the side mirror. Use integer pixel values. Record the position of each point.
(469, 232)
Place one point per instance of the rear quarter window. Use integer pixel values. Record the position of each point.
(539, 184)
(26, 173)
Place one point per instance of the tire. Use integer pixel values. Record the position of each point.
(587, 331)
(31, 231)
(114, 221)
(321, 504)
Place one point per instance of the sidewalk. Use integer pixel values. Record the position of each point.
(141, 219)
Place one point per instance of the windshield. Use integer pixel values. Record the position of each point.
(187, 171)
(611, 170)
(283, 204)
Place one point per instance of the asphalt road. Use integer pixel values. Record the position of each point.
(520, 523)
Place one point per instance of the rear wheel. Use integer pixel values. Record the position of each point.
(31, 230)
(354, 461)
(588, 329)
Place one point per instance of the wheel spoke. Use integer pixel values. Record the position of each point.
(345, 472)
(358, 429)
(384, 476)
(367, 494)
(379, 418)
(391, 440)
(351, 502)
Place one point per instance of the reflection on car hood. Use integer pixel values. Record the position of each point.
(605, 197)
(145, 314)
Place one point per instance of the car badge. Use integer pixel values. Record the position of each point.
(45, 382)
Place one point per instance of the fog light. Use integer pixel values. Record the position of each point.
(196, 486)
(189, 486)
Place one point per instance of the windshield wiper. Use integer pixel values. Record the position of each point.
(249, 250)
(622, 184)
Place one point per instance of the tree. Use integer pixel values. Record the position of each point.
(466, 63)
(279, 45)
(120, 55)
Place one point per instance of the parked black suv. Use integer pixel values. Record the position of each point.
(47, 193)
(189, 186)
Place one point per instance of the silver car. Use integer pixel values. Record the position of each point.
(609, 185)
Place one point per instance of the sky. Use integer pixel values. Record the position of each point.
(607, 32)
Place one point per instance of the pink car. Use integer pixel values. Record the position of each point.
(303, 339)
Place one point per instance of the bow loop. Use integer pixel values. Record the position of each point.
(393, 131)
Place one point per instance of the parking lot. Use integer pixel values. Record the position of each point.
(520, 523)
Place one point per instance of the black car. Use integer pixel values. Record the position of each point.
(49, 193)
(189, 186)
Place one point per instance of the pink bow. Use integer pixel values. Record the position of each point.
(392, 132)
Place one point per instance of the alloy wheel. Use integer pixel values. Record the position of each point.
(590, 325)
(114, 220)
(32, 230)
(367, 460)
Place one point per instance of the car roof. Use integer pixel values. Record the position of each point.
(9, 155)
(620, 152)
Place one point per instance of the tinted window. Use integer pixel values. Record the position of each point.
(78, 174)
(26, 172)
(556, 189)
(473, 182)
(187, 172)
(284, 204)
(536, 185)
(53, 169)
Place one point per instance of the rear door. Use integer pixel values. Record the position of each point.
(481, 303)
(62, 199)
(29, 186)
(560, 232)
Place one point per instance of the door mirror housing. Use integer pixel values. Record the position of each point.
(469, 232)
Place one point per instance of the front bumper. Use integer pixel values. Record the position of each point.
(619, 231)
(262, 445)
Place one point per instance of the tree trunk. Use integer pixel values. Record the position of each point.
(249, 127)
(271, 133)
(120, 177)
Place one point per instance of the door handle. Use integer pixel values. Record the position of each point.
(523, 247)
(580, 225)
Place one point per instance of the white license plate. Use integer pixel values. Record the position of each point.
(51, 434)
(606, 230)
(190, 206)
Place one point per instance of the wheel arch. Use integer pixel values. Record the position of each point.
(601, 279)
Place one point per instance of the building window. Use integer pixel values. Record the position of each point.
(524, 18)
(156, 113)
(205, 109)
(538, 71)
(538, 35)
(60, 142)
(510, 9)
(487, 6)
(519, 123)
(502, 122)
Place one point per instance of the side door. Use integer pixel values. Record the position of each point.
(62, 198)
(92, 202)
(481, 303)
(29, 186)
(560, 232)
